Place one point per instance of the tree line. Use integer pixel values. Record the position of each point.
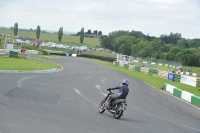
(38, 31)
(95, 32)
(168, 47)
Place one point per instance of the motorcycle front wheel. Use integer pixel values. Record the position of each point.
(119, 111)
(101, 107)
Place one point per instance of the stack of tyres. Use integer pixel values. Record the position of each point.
(177, 77)
(153, 72)
(126, 66)
(137, 68)
(117, 63)
(13, 54)
(190, 73)
(198, 83)
(45, 53)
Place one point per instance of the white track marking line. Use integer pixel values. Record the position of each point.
(78, 92)
(103, 80)
(19, 83)
(87, 77)
(147, 113)
(99, 88)
(61, 67)
(140, 110)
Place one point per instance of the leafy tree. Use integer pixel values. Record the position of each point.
(38, 32)
(171, 55)
(89, 32)
(60, 34)
(105, 42)
(172, 38)
(134, 50)
(95, 32)
(100, 33)
(78, 33)
(82, 35)
(187, 57)
(182, 43)
(193, 43)
(15, 29)
(125, 49)
(166, 47)
(125, 39)
(137, 34)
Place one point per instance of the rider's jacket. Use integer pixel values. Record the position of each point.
(123, 91)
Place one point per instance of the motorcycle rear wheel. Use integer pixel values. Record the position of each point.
(119, 111)
(101, 107)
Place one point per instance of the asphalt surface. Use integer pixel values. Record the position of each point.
(67, 102)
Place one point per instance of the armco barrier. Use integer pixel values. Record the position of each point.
(189, 97)
(121, 64)
(131, 67)
(109, 59)
(162, 74)
(145, 70)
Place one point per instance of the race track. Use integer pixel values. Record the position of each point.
(67, 102)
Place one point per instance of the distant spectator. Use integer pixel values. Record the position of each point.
(23, 50)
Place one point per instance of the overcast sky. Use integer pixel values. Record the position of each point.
(153, 17)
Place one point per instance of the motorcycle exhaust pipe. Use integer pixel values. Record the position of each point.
(112, 111)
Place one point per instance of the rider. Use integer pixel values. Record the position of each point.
(122, 93)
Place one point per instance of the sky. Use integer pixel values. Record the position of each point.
(153, 17)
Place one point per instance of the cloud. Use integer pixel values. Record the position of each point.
(155, 17)
(166, 1)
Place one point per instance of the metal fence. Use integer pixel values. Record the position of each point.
(130, 60)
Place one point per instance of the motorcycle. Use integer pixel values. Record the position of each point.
(117, 107)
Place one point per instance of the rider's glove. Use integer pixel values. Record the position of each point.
(108, 89)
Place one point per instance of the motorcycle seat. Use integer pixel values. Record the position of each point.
(120, 100)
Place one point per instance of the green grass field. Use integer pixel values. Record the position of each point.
(194, 69)
(155, 81)
(47, 37)
(23, 64)
(100, 53)
(164, 68)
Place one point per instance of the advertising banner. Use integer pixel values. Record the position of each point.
(171, 76)
(188, 80)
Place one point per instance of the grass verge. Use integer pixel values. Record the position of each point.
(100, 53)
(22, 64)
(164, 68)
(155, 81)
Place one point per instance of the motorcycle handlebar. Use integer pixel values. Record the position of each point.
(110, 91)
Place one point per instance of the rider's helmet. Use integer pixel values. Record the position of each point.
(125, 81)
